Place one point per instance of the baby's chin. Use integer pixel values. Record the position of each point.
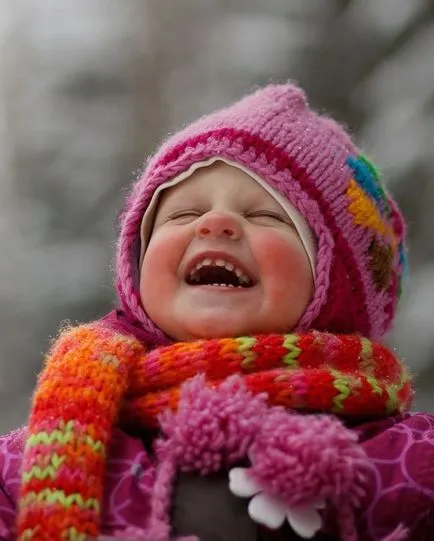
(209, 328)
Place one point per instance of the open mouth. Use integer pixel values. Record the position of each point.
(218, 272)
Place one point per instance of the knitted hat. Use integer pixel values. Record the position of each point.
(299, 221)
(312, 162)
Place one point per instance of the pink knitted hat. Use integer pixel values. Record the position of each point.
(312, 162)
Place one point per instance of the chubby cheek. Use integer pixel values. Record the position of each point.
(286, 271)
(158, 273)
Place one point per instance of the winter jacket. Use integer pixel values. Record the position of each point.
(401, 488)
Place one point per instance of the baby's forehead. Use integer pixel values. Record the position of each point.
(218, 179)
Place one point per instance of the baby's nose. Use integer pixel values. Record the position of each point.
(219, 224)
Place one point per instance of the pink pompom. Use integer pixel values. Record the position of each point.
(213, 427)
(301, 458)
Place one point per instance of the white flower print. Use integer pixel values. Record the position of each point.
(271, 511)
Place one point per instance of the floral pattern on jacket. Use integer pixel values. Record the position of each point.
(401, 487)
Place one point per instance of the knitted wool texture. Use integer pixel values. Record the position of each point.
(312, 162)
(95, 379)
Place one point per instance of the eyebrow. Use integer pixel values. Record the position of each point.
(165, 207)
(167, 196)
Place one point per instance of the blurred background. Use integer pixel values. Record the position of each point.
(88, 88)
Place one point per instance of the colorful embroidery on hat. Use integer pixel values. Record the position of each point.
(370, 208)
(380, 264)
(368, 177)
(366, 212)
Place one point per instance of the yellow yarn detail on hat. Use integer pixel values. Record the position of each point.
(366, 213)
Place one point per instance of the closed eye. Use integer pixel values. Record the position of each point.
(184, 214)
(271, 215)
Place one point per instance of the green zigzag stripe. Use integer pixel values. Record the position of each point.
(366, 361)
(245, 345)
(373, 382)
(290, 343)
(392, 404)
(64, 437)
(341, 384)
(72, 534)
(49, 471)
(59, 497)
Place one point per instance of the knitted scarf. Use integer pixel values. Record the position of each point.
(95, 379)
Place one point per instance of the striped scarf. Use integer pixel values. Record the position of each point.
(95, 379)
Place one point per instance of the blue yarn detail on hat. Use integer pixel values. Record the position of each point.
(366, 175)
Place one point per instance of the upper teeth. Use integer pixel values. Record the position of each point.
(208, 262)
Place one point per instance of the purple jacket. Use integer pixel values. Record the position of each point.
(401, 487)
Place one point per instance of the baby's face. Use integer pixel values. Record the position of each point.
(223, 260)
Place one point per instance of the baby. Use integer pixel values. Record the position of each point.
(240, 390)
